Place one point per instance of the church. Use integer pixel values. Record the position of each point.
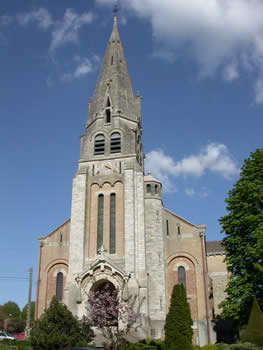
(119, 231)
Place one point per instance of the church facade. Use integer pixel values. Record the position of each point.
(119, 231)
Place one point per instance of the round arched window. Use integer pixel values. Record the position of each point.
(181, 276)
(115, 143)
(99, 144)
(59, 286)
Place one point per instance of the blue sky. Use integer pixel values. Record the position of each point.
(197, 64)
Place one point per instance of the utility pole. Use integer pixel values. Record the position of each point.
(27, 331)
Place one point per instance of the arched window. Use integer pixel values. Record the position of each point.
(59, 286)
(156, 189)
(148, 188)
(99, 144)
(115, 143)
(100, 221)
(112, 223)
(181, 276)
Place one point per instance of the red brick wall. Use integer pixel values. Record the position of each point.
(52, 279)
(172, 279)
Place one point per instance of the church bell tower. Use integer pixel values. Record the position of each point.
(107, 237)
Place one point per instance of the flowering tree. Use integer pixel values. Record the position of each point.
(114, 317)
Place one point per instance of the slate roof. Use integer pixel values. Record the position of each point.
(214, 248)
(114, 81)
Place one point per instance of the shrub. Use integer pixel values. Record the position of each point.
(145, 344)
(253, 332)
(157, 343)
(178, 323)
(210, 347)
(245, 346)
(16, 344)
(227, 331)
(57, 329)
(222, 346)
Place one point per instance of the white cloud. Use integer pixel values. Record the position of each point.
(83, 67)
(67, 30)
(164, 55)
(203, 193)
(190, 192)
(212, 32)
(230, 72)
(41, 16)
(214, 158)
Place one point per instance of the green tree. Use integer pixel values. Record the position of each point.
(16, 325)
(178, 323)
(11, 309)
(58, 329)
(243, 228)
(253, 332)
(3, 317)
(32, 311)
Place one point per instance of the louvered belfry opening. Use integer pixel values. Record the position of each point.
(115, 143)
(99, 144)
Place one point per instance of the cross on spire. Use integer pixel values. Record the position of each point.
(115, 9)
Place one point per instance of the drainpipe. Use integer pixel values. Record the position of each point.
(202, 235)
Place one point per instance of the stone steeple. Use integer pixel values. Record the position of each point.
(114, 87)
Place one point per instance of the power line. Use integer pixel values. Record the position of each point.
(15, 278)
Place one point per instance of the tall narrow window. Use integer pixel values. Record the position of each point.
(108, 115)
(100, 221)
(148, 188)
(181, 276)
(113, 223)
(99, 144)
(178, 231)
(115, 143)
(59, 286)
(156, 189)
(167, 228)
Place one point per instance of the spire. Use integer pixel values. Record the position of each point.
(114, 83)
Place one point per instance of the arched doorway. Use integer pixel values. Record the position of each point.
(102, 286)
(103, 303)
